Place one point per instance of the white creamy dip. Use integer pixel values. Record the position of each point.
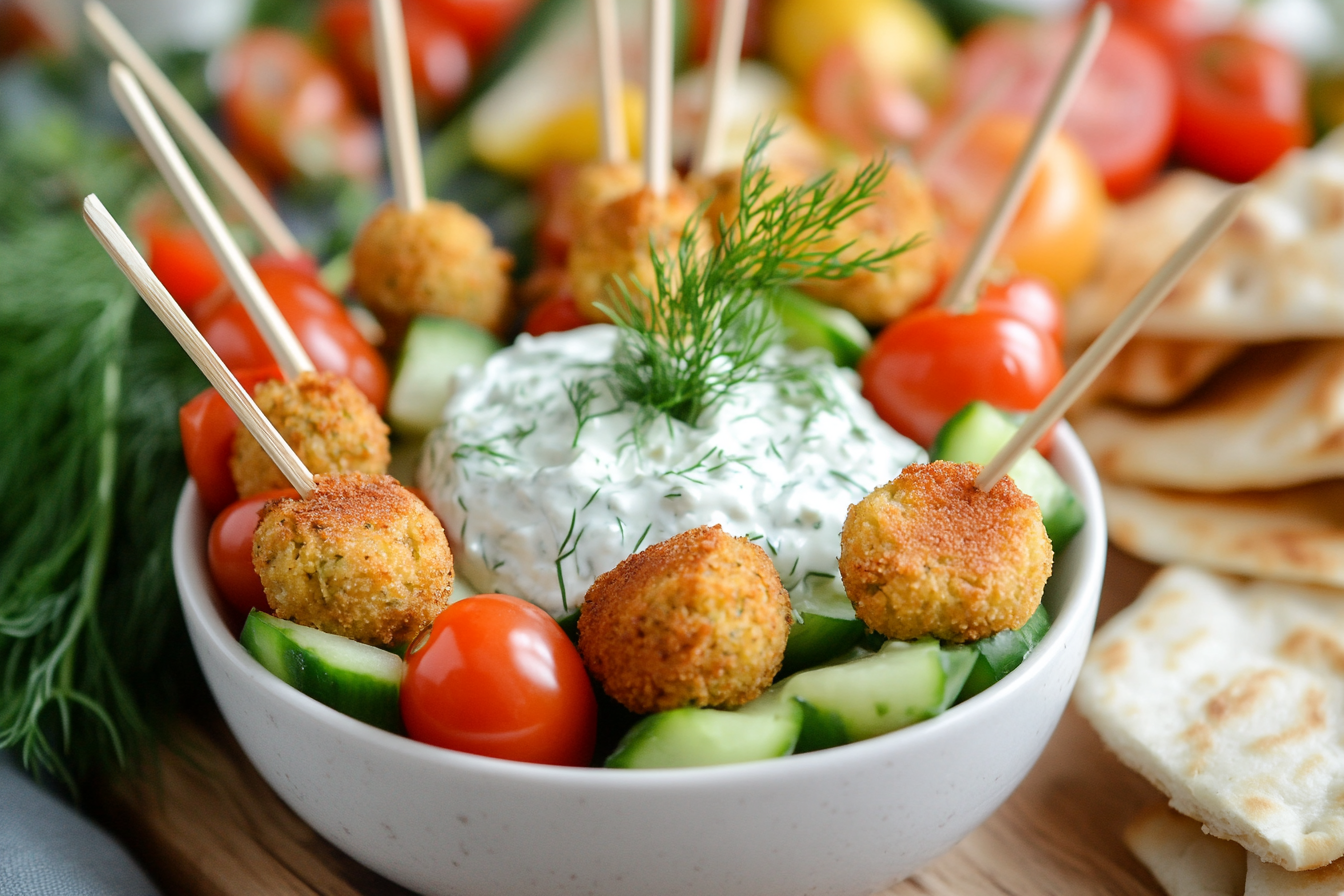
(537, 506)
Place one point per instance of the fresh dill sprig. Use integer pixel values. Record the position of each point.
(704, 327)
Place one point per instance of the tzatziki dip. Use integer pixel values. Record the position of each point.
(545, 478)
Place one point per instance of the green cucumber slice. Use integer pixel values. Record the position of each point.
(434, 348)
(1001, 653)
(808, 323)
(682, 738)
(818, 639)
(979, 430)
(958, 662)
(360, 680)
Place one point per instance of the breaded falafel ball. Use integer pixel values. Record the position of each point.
(901, 209)
(698, 620)
(929, 554)
(359, 557)
(612, 246)
(600, 183)
(438, 260)
(328, 422)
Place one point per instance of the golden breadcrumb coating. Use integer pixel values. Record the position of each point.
(902, 208)
(360, 557)
(611, 245)
(930, 554)
(329, 423)
(438, 260)
(698, 620)
(600, 183)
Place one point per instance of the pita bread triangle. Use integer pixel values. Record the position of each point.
(1185, 860)
(1154, 372)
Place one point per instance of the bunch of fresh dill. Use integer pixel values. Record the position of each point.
(91, 640)
(710, 317)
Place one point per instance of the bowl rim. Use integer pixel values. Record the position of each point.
(201, 603)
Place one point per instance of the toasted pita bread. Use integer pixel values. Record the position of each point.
(1273, 419)
(1185, 860)
(1264, 879)
(1229, 697)
(1295, 535)
(1152, 372)
(1277, 273)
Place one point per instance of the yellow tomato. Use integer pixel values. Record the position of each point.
(898, 40)
(1057, 231)
(521, 139)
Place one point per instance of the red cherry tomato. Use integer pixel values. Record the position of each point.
(208, 426)
(1242, 105)
(1170, 22)
(319, 320)
(1125, 113)
(287, 109)
(440, 59)
(552, 190)
(303, 264)
(497, 676)
(182, 261)
(1029, 299)
(930, 364)
(556, 314)
(856, 106)
(704, 19)
(484, 23)
(229, 551)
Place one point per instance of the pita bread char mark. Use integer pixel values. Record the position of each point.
(1274, 419)
(1229, 697)
(1296, 535)
(1185, 860)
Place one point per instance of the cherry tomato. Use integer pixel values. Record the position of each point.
(1029, 299)
(484, 23)
(1169, 22)
(1242, 105)
(705, 17)
(1124, 115)
(181, 259)
(930, 364)
(304, 264)
(208, 426)
(440, 60)
(857, 105)
(556, 314)
(229, 551)
(553, 190)
(319, 320)
(287, 109)
(1057, 231)
(497, 676)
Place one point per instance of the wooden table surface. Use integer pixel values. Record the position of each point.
(203, 823)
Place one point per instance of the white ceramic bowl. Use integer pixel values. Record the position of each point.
(844, 821)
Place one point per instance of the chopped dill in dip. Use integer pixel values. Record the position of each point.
(546, 478)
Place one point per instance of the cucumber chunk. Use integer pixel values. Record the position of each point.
(682, 738)
(434, 348)
(979, 430)
(808, 323)
(357, 679)
(1001, 653)
(818, 639)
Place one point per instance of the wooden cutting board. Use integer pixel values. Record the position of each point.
(203, 823)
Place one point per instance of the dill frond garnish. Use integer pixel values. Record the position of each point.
(704, 327)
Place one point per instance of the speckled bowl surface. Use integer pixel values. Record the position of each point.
(844, 821)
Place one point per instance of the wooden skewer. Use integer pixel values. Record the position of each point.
(119, 246)
(957, 130)
(726, 54)
(610, 83)
(960, 294)
(275, 330)
(1112, 339)
(658, 114)
(398, 102)
(194, 133)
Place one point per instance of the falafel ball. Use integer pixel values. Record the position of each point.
(698, 620)
(902, 208)
(612, 246)
(600, 183)
(359, 557)
(929, 554)
(329, 423)
(438, 260)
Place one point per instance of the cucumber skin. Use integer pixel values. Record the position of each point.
(1061, 512)
(816, 640)
(808, 323)
(269, 645)
(1001, 653)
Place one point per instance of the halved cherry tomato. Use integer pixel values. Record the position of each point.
(229, 551)
(1057, 231)
(928, 365)
(1124, 115)
(1029, 299)
(1242, 105)
(484, 23)
(208, 426)
(287, 109)
(440, 60)
(319, 320)
(556, 314)
(859, 106)
(497, 676)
